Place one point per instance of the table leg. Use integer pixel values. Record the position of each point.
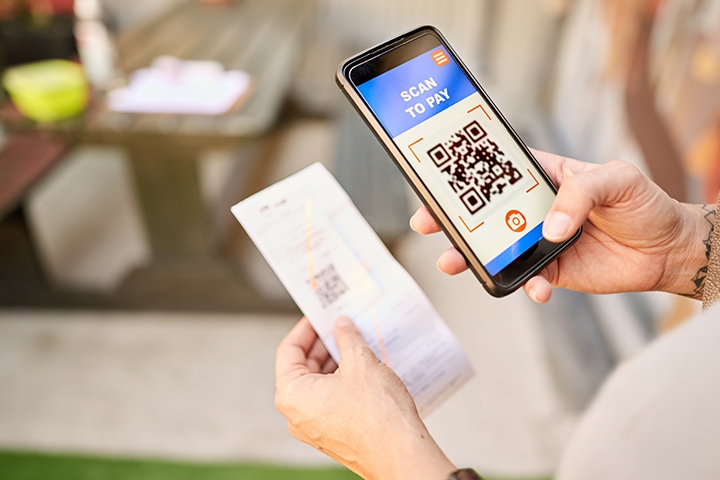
(166, 181)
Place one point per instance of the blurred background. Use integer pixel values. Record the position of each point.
(138, 324)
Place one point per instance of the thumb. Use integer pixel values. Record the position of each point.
(348, 338)
(582, 191)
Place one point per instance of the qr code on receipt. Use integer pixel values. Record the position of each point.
(474, 166)
(328, 285)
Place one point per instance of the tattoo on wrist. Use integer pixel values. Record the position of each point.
(699, 278)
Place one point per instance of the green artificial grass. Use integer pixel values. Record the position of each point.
(46, 466)
(37, 466)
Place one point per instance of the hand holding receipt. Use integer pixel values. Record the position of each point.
(333, 264)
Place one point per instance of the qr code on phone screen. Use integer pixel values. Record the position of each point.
(474, 166)
(329, 286)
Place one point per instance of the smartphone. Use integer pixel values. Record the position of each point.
(467, 164)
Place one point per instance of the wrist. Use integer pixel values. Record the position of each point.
(687, 261)
(413, 454)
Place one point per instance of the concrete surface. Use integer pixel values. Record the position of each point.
(200, 386)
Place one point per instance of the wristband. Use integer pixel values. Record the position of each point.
(464, 474)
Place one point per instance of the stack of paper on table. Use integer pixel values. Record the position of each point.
(172, 85)
(332, 263)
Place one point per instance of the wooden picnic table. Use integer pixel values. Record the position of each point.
(262, 37)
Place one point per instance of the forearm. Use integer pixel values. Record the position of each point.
(686, 268)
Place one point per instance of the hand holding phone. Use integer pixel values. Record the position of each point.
(638, 239)
(477, 178)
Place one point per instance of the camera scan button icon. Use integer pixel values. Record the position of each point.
(515, 221)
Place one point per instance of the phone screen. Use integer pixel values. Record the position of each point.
(454, 140)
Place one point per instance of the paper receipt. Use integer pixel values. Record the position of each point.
(332, 263)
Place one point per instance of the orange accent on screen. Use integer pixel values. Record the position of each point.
(440, 58)
(483, 109)
(536, 182)
(413, 151)
(471, 229)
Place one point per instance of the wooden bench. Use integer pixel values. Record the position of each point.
(25, 159)
(262, 37)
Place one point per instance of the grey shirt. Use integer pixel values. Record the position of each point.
(658, 416)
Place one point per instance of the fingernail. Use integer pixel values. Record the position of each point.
(532, 294)
(343, 322)
(412, 219)
(556, 226)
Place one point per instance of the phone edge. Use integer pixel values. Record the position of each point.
(492, 287)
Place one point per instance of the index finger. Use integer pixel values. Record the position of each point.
(560, 168)
(423, 222)
(292, 353)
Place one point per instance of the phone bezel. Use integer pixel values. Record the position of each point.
(521, 269)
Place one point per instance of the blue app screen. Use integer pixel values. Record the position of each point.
(416, 91)
(463, 153)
